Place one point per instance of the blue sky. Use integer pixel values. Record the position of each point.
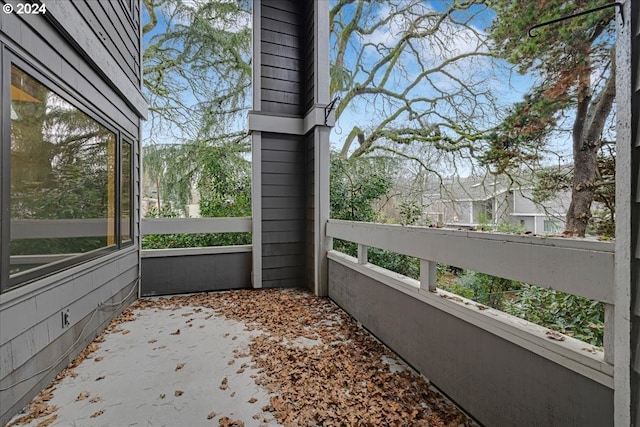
(506, 86)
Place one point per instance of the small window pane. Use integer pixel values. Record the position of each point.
(125, 200)
(63, 179)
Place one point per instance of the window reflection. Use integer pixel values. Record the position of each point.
(63, 178)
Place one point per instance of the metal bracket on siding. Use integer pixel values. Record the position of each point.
(584, 12)
(329, 108)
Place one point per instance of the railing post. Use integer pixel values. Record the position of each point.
(362, 254)
(428, 276)
(609, 333)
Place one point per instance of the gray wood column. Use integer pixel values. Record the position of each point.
(290, 142)
(627, 269)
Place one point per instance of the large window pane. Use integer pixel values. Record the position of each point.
(125, 199)
(63, 179)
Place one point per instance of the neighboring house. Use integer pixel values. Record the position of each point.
(491, 201)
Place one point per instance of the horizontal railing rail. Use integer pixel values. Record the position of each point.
(195, 225)
(579, 267)
(576, 266)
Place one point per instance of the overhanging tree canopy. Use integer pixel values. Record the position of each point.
(575, 63)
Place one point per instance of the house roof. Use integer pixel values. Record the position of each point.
(480, 187)
(472, 188)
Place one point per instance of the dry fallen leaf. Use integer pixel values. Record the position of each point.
(162, 395)
(253, 400)
(82, 396)
(175, 333)
(125, 332)
(179, 366)
(305, 353)
(178, 393)
(100, 378)
(211, 415)
(95, 399)
(556, 336)
(152, 341)
(47, 421)
(227, 422)
(97, 414)
(98, 359)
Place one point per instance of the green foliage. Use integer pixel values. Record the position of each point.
(401, 264)
(355, 184)
(574, 63)
(165, 241)
(507, 227)
(569, 314)
(197, 71)
(484, 222)
(220, 173)
(488, 290)
(410, 212)
(523, 133)
(457, 288)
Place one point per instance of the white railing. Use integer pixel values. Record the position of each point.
(194, 226)
(576, 266)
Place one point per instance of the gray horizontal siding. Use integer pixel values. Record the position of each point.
(296, 225)
(269, 250)
(283, 200)
(34, 39)
(195, 273)
(309, 53)
(113, 33)
(281, 214)
(281, 261)
(283, 203)
(280, 190)
(284, 283)
(282, 87)
(32, 335)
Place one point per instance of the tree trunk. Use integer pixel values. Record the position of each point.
(583, 188)
(591, 118)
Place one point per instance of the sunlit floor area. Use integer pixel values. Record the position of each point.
(241, 358)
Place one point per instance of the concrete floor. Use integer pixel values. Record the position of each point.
(183, 364)
(135, 378)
